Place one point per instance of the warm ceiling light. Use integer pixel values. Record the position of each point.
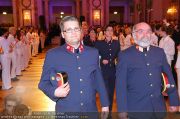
(62, 12)
(115, 12)
(4, 13)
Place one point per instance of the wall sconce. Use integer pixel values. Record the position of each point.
(172, 10)
(27, 17)
(172, 13)
(97, 17)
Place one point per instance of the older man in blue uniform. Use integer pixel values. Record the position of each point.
(108, 50)
(138, 83)
(81, 65)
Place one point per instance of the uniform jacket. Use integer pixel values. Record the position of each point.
(108, 51)
(138, 83)
(84, 77)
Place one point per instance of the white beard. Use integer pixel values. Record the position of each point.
(144, 42)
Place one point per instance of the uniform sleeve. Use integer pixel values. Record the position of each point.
(45, 85)
(100, 85)
(172, 90)
(121, 84)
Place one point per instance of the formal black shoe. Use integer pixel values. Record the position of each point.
(178, 113)
(14, 79)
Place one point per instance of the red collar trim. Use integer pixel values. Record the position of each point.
(72, 49)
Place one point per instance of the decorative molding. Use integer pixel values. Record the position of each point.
(26, 3)
(96, 3)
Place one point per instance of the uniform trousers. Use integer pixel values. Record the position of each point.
(14, 64)
(109, 79)
(6, 78)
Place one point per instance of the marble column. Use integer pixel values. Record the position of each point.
(33, 13)
(47, 13)
(40, 7)
(106, 10)
(77, 8)
(14, 5)
(84, 8)
(136, 13)
(178, 11)
(157, 10)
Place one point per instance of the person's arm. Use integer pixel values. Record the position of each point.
(100, 86)
(121, 84)
(172, 90)
(51, 90)
(170, 47)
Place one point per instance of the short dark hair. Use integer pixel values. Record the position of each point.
(67, 18)
(167, 29)
(91, 29)
(3, 31)
(109, 25)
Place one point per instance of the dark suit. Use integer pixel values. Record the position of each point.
(108, 51)
(84, 77)
(138, 83)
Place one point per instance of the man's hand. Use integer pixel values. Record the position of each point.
(62, 91)
(105, 61)
(105, 112)
(173, 108)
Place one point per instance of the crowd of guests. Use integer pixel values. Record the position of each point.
(17, 46)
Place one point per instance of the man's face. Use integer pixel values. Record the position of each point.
(9, 106)
(72, 32)
(6, 34)
(92, 34)
(85, 30)
(109, 32)
(142, 34)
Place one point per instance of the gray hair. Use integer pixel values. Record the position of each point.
(135, 26)
(65, 19)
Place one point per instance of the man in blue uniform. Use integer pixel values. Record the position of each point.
(138, 83)
(84, 75)
(108, 50)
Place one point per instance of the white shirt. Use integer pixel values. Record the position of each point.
(5, 44)
(154, 39)
(169, 46)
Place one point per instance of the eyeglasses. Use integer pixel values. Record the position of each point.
(141, 31)
(109, 30)
(70, 30)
